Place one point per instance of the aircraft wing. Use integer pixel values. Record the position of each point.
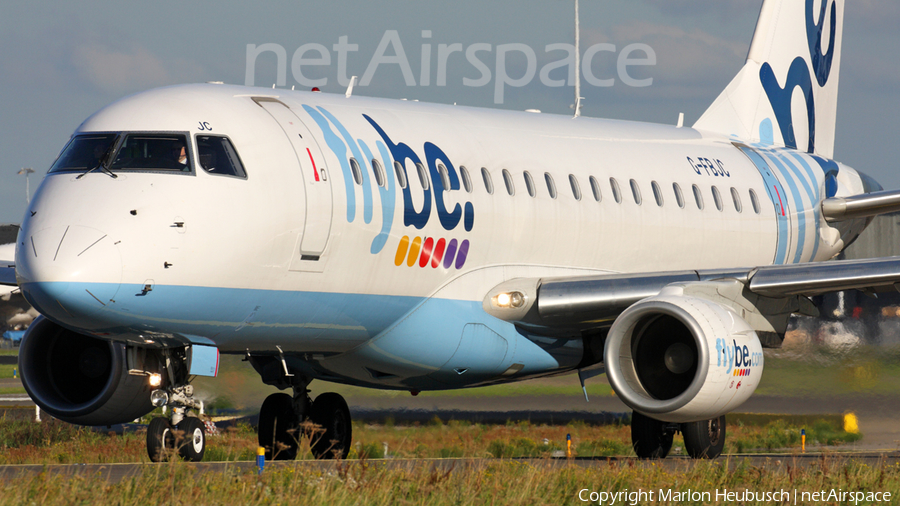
(578, 303)
(8, 275)
(8, 265)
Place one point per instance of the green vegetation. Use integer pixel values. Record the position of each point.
(6, 370)
(22, 441)
(471, 483)
(9, 351)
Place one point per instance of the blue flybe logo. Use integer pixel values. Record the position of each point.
(799, 75)
(737, 360)
(424, 251)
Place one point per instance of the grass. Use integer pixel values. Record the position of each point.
(6, 370)
(9, 351)
(23, 441)
(474, 483)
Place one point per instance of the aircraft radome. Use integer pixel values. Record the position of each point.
(411, 246)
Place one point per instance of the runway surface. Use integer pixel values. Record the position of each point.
(771, 462)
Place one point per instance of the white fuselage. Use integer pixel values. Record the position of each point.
(340, 270)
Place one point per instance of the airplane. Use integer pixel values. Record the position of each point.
(410, 246)
(7, 258)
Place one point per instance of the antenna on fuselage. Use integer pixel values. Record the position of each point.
(578, 97)
(350, 87)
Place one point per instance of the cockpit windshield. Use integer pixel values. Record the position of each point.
(85, 152)
(152, 152)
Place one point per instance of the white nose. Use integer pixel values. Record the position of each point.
(68, 272)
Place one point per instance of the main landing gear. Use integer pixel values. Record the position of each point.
(284, 420)
(652, 439)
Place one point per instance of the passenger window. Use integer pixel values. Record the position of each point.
(657, 193)
(423, 176)
(153, 152)
(698, 197)
(445, 178)
(636, 192)
(576, 190)
(218, 156)
(354, 169)
(488, 183)
(595, 187)
(736, 197)
(467, 182)
(401, 174)
(679, 198)
(378, 171)
(529, 183)
(754, 201)
(717, 198)
(551, 185)
(615, 189)
(507, 179)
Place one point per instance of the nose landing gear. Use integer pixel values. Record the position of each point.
(183, 434)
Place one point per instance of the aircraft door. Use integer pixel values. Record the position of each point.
(779, 198)
(316, 182)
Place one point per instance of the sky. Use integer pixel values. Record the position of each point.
(62, 61)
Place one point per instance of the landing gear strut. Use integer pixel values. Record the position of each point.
(652, 439)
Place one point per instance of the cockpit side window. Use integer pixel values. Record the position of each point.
(85, 152)
(218, 156)
(153, 152)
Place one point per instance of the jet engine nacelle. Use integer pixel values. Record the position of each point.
(80, 379)
(680, 359)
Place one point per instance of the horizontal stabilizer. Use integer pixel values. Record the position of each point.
(860, 206)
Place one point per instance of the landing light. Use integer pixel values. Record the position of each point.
(155, 379)
(511, 299)
(159, 398)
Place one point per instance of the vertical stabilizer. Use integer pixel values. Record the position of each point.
(786, 93)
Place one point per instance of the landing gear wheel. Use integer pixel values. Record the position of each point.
(332, 439)
(649, 437)
(192, 443)
(278, 429)
(704, 439)
(160, 440)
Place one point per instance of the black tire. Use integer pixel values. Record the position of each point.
(704, 439)
(278, 428)
(192, 439)
(649, 437)
(331, 439)
(160, 440)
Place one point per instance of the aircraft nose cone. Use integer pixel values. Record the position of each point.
(68, 272)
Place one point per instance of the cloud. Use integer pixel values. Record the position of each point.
(123, 69)
(690, 64)
(720, 9)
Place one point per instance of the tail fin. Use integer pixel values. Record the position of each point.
(786, 93)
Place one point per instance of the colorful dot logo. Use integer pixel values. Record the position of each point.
(428, 251)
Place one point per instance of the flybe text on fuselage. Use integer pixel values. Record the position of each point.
(444, 178)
